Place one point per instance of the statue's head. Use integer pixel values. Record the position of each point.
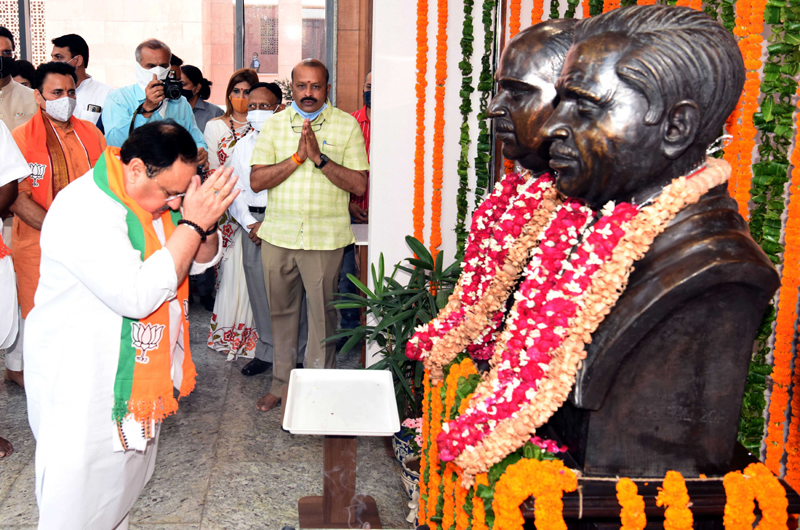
(526, 93)
(643, 92)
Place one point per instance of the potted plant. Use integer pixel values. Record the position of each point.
(393, 311)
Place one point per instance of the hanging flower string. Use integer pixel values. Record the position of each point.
(673, 495)
(483, 157)
(438, 128)
(756, 483)
(784, 335)
(631, 505)
(462, 206)
(537, 11)
(545, 480)
(419, 151)
(424, 461)
(515, 11)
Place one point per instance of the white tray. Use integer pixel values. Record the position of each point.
(341, 403)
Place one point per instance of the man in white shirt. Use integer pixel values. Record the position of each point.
(107, 343)
(13, 169)
(73, 50)
(248, 210)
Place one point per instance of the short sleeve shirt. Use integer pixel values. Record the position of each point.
(307, 211)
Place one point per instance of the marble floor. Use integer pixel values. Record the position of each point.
(221, 464)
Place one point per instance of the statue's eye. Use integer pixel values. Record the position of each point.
(586, 107)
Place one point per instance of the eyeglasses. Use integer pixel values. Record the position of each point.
(166, 193)
(262, 106)
(8, 54)
(314, 128)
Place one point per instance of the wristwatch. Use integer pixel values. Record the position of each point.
(322, 161)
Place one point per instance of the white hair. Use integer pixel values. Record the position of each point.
(151, 44)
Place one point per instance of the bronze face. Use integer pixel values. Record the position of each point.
(602, 149)
(526, 92)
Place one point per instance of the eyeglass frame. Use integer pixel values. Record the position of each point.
(269, 107)
(166, 193)
(299, 128)
(8, 54)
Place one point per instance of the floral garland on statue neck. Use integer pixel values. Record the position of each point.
(578, 267)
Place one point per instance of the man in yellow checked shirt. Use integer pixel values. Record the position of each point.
(108, 336)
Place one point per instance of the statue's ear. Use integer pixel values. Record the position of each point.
(681, 126)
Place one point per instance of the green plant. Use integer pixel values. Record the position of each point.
(286, 88)
(393, 311)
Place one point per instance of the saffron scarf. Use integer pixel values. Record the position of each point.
(45, 155)
(143, 385)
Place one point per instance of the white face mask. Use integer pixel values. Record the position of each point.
(143, 77)
(258, 117)
(60, 109)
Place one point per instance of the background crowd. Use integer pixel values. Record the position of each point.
(286, 240)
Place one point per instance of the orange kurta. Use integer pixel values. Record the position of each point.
(25, 239)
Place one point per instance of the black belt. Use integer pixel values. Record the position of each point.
(258, 209)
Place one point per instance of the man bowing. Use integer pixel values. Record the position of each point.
(108, 335)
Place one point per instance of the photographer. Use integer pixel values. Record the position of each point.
(154, 97)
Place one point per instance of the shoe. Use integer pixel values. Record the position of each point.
(255, 367)
(298, 366)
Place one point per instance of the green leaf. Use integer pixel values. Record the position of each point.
(421, 252)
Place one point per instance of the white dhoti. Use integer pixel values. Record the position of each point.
(90, 276)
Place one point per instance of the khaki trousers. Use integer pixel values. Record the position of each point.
(286, 273)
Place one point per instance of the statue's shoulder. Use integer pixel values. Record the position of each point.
(704, 265)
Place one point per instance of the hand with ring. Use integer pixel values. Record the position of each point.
(203, 207)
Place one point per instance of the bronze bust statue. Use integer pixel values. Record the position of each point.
(526, 94)
(643, 92)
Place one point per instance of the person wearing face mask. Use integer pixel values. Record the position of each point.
(222, 135)
(91, 94)
(58, 148)
(196, 90)
(17, 104)
(311, 158)
(248, 210)
(145, 102)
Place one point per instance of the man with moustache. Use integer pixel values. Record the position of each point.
(263, 100)
(644, 91)
(526, 94)
(311, 157)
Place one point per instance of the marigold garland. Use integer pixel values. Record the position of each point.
(423, 461)
(585, 9)
(461, 493)
(449, 510)
(537, 11)
(609, 5)
(515, 7)
(791, 277)
(438, 128)
(631, 503)
(435, 477)
(545, 480)
(675, 497)
(739, 503)
(770, 495)
(478, 508)
(749, 28)
(419, 143)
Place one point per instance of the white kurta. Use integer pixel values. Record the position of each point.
(90, 277)
(13, 167)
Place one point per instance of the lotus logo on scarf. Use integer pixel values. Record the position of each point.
(146, 337)
(37, 173)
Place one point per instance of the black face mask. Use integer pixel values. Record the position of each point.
(368, 98)
(6, 65)
(188, 94)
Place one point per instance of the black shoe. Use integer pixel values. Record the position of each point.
(255, 367)
(298, 366)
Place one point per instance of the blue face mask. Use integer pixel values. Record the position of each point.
(310, 116)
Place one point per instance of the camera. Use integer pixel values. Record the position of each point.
(172, 87)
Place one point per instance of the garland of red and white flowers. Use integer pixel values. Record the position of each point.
(504, 229)
(559, 305)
